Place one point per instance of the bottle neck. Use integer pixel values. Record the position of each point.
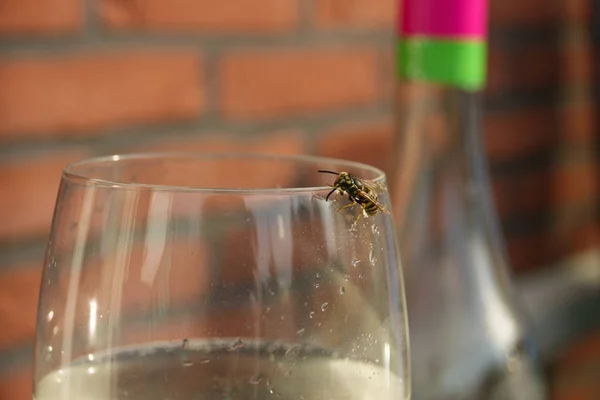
(439, 136)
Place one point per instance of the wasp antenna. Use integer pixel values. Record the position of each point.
(328, 172)
(330, 193)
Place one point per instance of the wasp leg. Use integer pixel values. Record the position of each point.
(346, 206)
(355, 224)
(357, 218)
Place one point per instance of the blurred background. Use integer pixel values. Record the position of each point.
(95, 77)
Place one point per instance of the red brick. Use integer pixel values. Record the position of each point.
(572, 392)
(522, 193)
(579, 123)
(81, 94)
(355, 13)
(243, 265)
(575, 183)
(577, 64)
(586, 350)
(282, 143)
(181, 278)
(568, 242)
(19, 288)
(28, 189)
(527, 253)
(261, 84)
(529, 69)
(246, 321)
(519, 12)
(590, 390)
(237, 174)
(208, 173)
(125, 289)
(248, 16)
(389, 80)
(17, 383)
(577, 11)
(575, 372)
(304, 244)
(518, 133)
(33, 17)
(369, 143)
(181, 275)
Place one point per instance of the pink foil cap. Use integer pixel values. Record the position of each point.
(444, 18)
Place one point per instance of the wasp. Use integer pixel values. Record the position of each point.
(359, 191)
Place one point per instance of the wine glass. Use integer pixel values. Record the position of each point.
(220, 276)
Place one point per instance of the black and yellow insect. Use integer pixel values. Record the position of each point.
(359, 191)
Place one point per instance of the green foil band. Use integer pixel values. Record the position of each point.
(458, 63)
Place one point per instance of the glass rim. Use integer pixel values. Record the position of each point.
(69, 174)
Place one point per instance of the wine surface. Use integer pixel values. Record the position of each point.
(214, 370)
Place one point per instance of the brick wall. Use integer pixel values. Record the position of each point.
(289, 76)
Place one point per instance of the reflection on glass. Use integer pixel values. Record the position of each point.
(218, 277)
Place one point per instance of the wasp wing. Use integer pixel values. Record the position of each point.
(374, 186)
(371, 197)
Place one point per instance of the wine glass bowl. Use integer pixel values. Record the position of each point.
(198, 276)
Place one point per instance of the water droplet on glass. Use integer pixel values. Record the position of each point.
(50, 349)
(237, 345)
(186, 344)
(256, 379)
(293, 351)
(311, 314)
(300, 331)
(317, 285)
(342, 290)
(324, 306)
(346, 277)
(205, 361)
(187, 363)
(318, 275)
(91, 357)
(372, 257)
(267, 310)
(375, 229)
(91, 370)
(50, 316)
(356, 262)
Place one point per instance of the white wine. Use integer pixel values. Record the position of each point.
(225, 369)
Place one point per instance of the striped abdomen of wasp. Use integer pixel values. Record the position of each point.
(359, 192)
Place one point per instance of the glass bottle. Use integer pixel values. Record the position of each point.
(469, 334)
